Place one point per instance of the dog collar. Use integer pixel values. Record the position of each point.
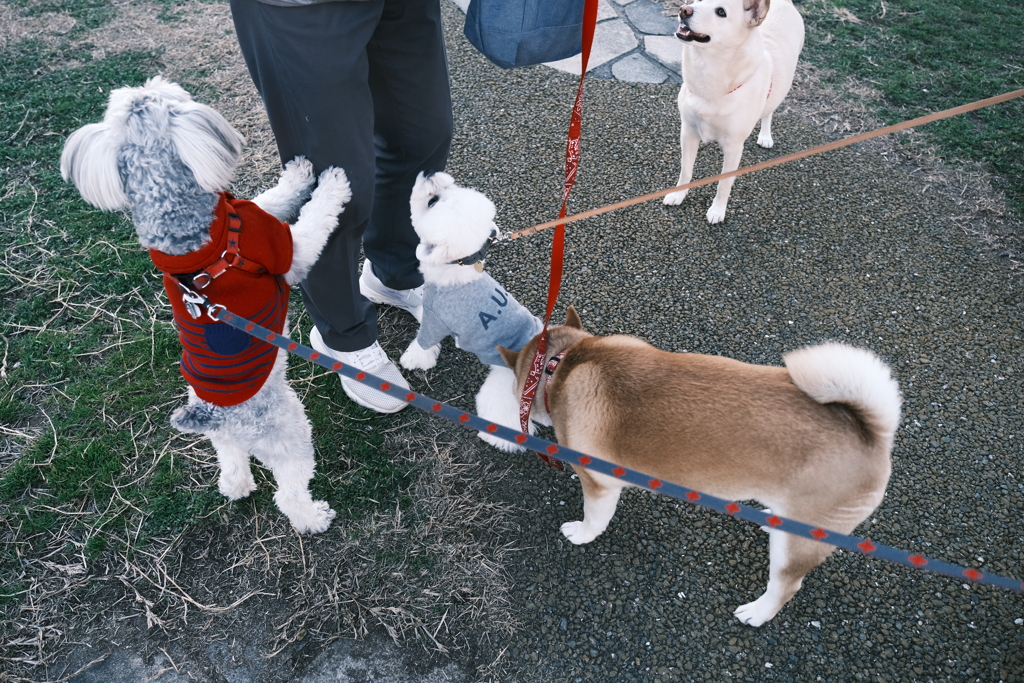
(549, 372)
(477, 258)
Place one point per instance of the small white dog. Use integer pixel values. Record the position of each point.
(168, 160)
(739, 59)
(455, 226)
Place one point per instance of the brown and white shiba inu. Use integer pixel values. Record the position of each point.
(811, 441)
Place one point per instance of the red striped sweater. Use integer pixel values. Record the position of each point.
(224, 365)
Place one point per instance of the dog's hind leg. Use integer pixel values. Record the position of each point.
(764, 136)
(293, 469)
(790, 558)
(600, 498)
(286, 448)
(235, 475)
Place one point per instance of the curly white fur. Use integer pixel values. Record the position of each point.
(165, 157)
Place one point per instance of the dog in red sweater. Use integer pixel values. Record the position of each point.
(169, 160)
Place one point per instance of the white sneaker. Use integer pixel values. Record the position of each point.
(373, 289)
(373, 360)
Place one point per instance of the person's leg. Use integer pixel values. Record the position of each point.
(310, 66)
(412, 105)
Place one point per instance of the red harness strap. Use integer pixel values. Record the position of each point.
(229, 259)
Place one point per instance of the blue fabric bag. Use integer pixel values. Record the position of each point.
(514, 33)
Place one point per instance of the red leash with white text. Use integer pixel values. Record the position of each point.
(572, 162)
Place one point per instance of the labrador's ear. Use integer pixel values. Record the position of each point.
(572, 318)
(758, 10)
(510, 357)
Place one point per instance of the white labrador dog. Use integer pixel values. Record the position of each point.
(738, 64)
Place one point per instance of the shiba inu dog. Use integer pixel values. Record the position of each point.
(811, 440)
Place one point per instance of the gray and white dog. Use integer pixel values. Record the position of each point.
(169, 159)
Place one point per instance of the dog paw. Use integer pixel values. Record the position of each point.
(578, 533)
(299, 173)
(418, 358)
(333, 188)
(236, 488)
(500, 444)
(316, 519)
(716, 214)
(765, 141)
(757, 612)
(675, 198)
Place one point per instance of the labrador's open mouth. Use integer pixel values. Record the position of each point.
(684, 33)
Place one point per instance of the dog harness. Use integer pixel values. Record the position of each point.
(224, 365)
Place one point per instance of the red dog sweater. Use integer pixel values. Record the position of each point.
(224, 365)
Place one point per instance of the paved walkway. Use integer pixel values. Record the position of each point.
(634, 41)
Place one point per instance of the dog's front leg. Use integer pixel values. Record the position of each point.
(764, 136)
(689, 141)
(317, 220)
(418, 358)
(732, 152)
(284, 199)
(600, 498)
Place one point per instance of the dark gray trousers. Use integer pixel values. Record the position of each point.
(364, 86)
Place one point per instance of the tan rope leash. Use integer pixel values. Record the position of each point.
(845, 142)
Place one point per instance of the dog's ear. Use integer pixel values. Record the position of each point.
(510, 357)
(89, 160)
(572, 318)
(758, 10)
(206, 143)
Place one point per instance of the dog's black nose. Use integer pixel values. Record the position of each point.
(685, 11)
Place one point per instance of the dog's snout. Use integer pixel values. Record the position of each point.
(685, 11)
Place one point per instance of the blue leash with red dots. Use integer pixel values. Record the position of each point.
(551, 450)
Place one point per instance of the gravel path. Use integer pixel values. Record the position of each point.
(851, 247)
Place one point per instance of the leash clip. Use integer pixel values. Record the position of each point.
(192, 302)
(214, 311)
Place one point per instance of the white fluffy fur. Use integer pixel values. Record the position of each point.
(198, 152)
(837, 373)
(457, 225)
(739, 58)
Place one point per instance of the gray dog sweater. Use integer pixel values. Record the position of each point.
(480, 315)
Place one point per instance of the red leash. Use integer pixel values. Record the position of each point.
(572, 162)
